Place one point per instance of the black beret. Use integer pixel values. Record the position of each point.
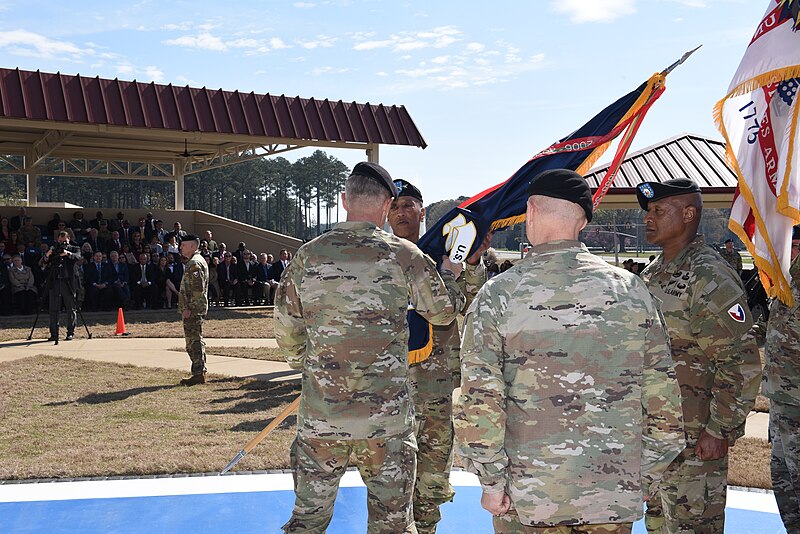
(377, 173)
(728, 241)
(796, 232)
(647, 191)
(190, 237)
(406, 189)
(564, 184)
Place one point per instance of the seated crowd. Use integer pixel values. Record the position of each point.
(127, 266)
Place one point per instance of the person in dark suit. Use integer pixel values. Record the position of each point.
(117, 276)
(142, 281)
(97, 283)
(95, 240)
(227, 278)
(246, 273)
(115, 243)
(127, 231)
(276, 271)
(262, 279)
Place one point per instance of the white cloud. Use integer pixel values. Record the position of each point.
(153, 73)
(328, 70)
(581, 11)
(691, 3)
(500, 64)
(475, 47)
(204, 41)
(276, 43)
(180, 26)
(322, 41)
(208, 41)
(440, 37)
(25, 43)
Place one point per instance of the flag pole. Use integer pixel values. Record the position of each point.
(263, 434)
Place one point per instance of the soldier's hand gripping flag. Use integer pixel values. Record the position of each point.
(759, 120)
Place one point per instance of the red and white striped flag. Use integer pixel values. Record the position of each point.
(759, 120)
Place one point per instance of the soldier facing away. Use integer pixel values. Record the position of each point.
(193, 307)
(433, 372)
(781, 383)
(732, 256)
(340, 318)
(569, 407)
(716, 357)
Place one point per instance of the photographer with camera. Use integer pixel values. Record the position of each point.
(62, 280)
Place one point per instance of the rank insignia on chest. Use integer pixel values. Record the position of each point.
(737, 313)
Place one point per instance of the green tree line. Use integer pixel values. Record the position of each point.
(271, 193)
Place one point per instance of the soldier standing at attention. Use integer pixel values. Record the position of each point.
(433, 373)
(733, 257)
(781, 383)
(716, 357)
(570, 407)
(340, 318)
(193, 306)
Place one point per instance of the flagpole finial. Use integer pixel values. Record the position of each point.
(683, 58)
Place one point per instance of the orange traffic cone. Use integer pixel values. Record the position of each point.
(121, 324)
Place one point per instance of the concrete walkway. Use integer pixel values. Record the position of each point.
(155, 352)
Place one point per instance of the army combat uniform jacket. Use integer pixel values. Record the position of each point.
(193, 295)
(716, 358)
(781, 381)
(439, 374)
(340, 317)
(569, 400)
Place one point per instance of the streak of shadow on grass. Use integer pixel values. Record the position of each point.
(258, 426)
(113, 396)
(255, 396)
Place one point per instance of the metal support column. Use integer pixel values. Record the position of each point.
(372, 154)
(179, 185)
(30, 182)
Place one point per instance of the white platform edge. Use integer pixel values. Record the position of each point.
(757, 501)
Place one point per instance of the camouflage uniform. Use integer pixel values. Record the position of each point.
(781, 383)
(432, 382)
(733, 258)
(340, 317)
(569, 400)
(193, 296)
(717, 361)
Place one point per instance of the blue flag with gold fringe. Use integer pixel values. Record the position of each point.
(462, 229)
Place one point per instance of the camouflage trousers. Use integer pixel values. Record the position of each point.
(784, 429)
(509, 523)
(387, 466)
(195, 346)
(434, 460)
(690, 497)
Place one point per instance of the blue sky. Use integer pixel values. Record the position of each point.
(489, 84)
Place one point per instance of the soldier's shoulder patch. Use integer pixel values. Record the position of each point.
(737, 313)
(197, 274)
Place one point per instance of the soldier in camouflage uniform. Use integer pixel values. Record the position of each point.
(340, 318)
(433, 374)
(570, 407)
(781, 383)
(193, 306)
(716, 357)
(733, 257)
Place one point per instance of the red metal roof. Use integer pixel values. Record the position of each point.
(78, 99)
